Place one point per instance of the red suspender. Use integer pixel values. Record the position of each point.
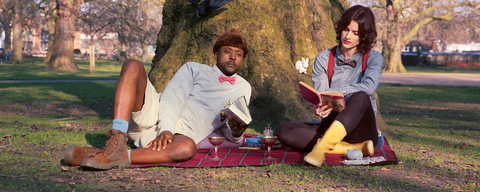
(364, 62)
(331, 63)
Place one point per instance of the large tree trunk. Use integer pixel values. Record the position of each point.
(62, 56)
(16, 54)
(92, 55)
(50, 16)
(145, 53)
(8, 41)
(279, 32)
(123, 53)
(394, 53)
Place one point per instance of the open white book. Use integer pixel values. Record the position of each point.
(239, 109)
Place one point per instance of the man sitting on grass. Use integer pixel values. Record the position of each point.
(166, 126)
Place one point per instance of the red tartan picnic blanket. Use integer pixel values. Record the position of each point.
(255, 157)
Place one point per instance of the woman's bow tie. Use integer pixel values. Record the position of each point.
(352, 63)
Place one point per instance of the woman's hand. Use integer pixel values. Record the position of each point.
(322, 111)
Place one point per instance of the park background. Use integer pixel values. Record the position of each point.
(433, 129)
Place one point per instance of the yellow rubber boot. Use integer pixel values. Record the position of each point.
(342, 147)
(334, 134)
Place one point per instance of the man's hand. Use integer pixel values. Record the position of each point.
(236, 125)
(161, 141)
(322, 111)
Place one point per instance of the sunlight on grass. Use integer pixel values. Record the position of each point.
(33, 69)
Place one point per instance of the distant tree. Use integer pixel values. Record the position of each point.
(96, 17)
(49, 10)
(405, 18)
(62, 55)
(5, 19)
(18, 15)
(122, 11)
(17, 29)
(461, 29)
(399, 21)
(145, 22)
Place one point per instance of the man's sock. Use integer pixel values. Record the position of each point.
(120, 124)
(128, 151)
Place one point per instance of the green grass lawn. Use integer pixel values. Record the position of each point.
(34, 69)
(434, 131)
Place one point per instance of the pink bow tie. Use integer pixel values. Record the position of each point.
(230, 79)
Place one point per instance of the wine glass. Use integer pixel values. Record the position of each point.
(268, 141)
(216, 141)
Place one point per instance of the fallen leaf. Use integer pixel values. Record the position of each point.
(103, 180)
(140, 179)
(126, 187)
(64, 168)
(114, 177)
(385, 169)
(58, 180)
(72, 183)
(157, 181)
(211, 174)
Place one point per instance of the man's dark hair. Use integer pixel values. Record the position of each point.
(232, 38)
(366, 26)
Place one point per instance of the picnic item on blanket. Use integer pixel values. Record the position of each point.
(364, 161)
(216, 141)
(268, 130)
(234, 156)
(269, 141)
(256, 143)
(353, 154)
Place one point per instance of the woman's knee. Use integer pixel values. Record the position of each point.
(284, 131)
(360, 97)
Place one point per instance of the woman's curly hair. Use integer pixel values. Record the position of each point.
(366, 27)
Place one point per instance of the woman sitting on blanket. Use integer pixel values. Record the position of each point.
(355, 126)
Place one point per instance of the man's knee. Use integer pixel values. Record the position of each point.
(132, 64)
(186, 151)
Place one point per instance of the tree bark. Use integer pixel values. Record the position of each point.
(398, 23)
(280, 32)
(145, 53)
(62, 56)
(92, 55)
(16, 54)
(123, 53)
(8, 41)
(50, 16)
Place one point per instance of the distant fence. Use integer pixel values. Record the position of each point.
(464, 59)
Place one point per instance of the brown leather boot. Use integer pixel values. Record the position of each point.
(114, 154)
(76, 153)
